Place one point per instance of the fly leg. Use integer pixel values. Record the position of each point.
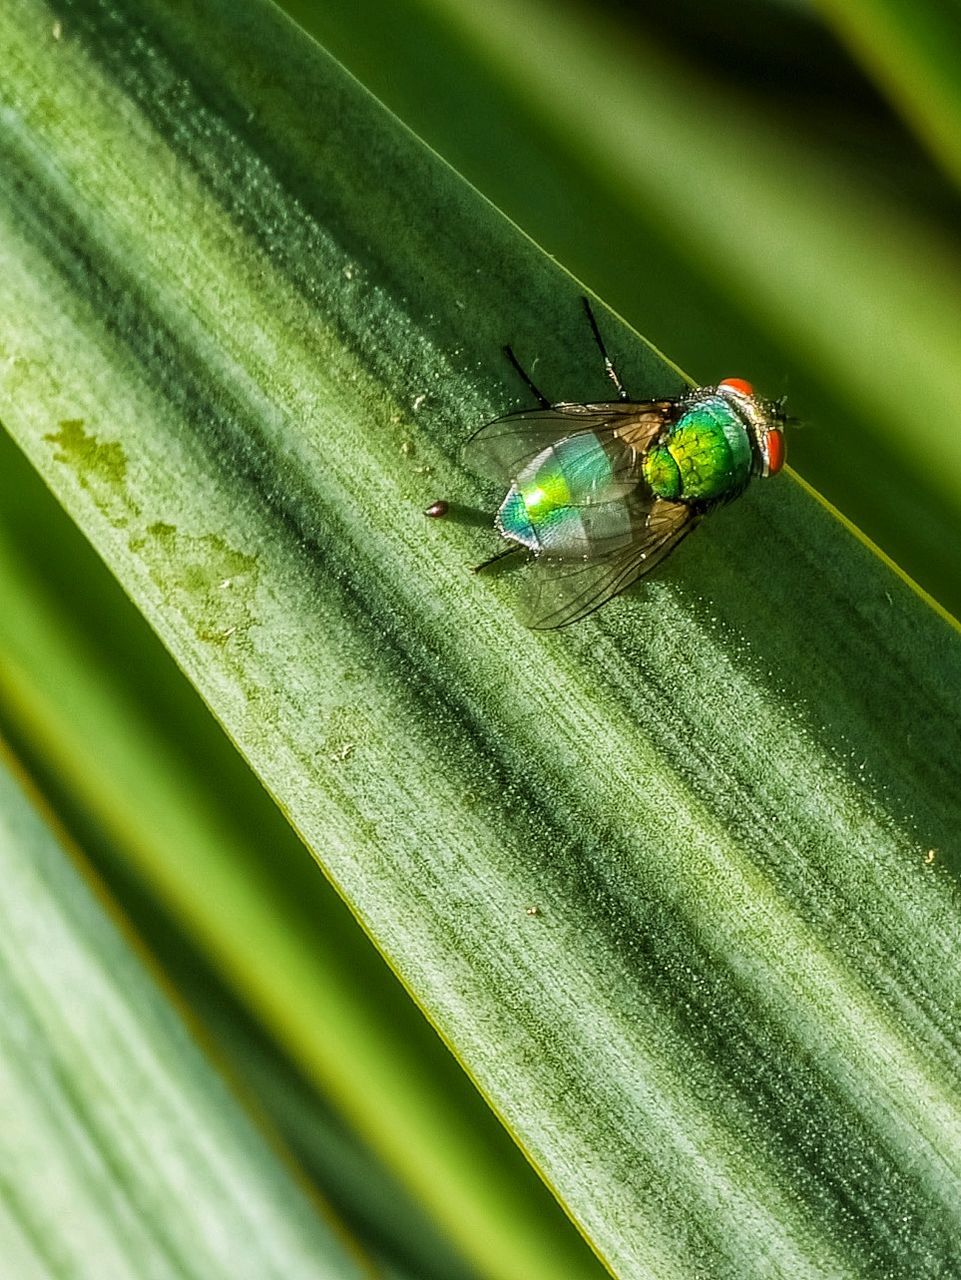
(472, 516)
(494, 562)
(528, 381)
(608, 363)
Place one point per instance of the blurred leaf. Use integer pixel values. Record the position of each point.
(390, 1224)
(122, 1153)
(913, 50)
(676, 886)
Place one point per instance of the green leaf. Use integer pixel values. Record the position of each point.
(122, 1152)
(675, 886)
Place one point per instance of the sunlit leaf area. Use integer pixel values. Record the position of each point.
(349, 927)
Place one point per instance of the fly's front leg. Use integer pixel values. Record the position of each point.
(608, 363)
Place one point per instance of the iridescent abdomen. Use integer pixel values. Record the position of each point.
(562, 502)
(706, 454)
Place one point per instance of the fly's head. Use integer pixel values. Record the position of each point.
(765, 421)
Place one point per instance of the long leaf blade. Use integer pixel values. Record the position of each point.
(689, 1035)
(122, 1153)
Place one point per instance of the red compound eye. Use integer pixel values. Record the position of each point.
(774, 445)
(738, 384)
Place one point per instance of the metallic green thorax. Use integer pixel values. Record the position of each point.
(706, 455)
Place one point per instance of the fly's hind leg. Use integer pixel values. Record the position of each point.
(472, 516)
(496, 562)
(526, 378)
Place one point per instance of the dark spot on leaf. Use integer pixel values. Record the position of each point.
(100, 468)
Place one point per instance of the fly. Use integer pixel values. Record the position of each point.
(599, 494)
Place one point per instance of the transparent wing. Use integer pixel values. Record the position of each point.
(559, 592)
(502, 448)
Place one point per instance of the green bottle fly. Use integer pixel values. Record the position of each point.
(600, 493)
